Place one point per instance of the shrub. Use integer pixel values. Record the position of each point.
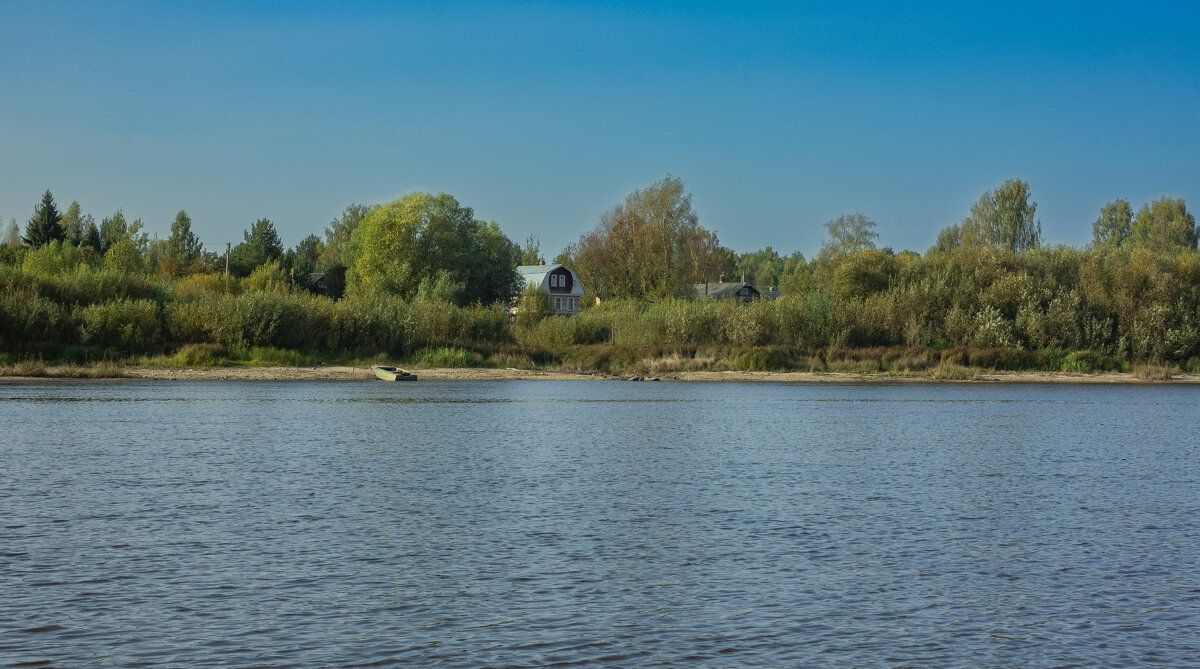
(264, 319)
(195, 321)
(196, 286)
(85, 285)
(746, 324)
(370, 321)
(27, 321)
(127, 325)
(125, 256)
(53, 259)
(268, 277)
(992, 329)
(436, 323)
(533, 306)
(486, 323)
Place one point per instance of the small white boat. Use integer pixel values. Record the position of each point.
(393, 373)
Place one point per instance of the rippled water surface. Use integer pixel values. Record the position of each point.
(598, 523)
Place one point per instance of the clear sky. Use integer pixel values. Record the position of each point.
(541, 116)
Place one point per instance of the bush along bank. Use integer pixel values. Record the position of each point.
(871, 312)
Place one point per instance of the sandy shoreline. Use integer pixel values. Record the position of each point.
(345, 373)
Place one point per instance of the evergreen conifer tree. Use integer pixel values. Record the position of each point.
(45, 225)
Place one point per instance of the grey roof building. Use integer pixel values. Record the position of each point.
(743, 292)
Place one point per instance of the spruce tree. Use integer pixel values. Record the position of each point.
(45, 226)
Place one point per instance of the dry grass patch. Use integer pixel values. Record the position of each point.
(25, 368)
(674, 362)
(72, 371)
(1152, 372)
(108, 369)
(949, 371)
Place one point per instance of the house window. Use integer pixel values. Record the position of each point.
(558, 304)
(553, 281)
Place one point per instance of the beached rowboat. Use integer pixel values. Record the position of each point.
(393, 373)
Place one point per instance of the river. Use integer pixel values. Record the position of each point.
(468, 524)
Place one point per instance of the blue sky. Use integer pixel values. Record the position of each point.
(541, 116)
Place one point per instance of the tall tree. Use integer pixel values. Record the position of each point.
(1112, 228)
(337, 236)
(91, 235)
(433, 239)
(117, 228)
(1004, 217)
(44, 226)
(651, 245)
(302, 259)
(183, 247)
(260, 245)
(12, 236)
(849, 233)
(948, 239)
(761, 268)
(1164, 225)
(75, 224)
(531, 251)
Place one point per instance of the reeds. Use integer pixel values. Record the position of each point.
(1152, 372)
(104, 369)
(949, 371)
(25, 368)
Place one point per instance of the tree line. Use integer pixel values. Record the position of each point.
(987, 283)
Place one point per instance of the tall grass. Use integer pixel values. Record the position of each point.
(1152, 372)
(25, 367)
(447, 356)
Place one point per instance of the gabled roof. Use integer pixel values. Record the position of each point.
(538, 276)
(722, 291)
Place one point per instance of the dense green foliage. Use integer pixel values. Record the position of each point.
(988, 295)
(649, 246)
(260, 244)
(423, 240)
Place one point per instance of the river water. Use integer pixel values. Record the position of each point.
(598, 524)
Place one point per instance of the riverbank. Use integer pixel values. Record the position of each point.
(348, 373)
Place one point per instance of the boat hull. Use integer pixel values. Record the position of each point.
(385, 373)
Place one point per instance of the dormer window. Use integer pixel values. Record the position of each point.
(554, 281)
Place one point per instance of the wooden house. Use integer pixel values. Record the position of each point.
(564, 287)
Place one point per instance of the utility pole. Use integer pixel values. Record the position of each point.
(227, 245)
